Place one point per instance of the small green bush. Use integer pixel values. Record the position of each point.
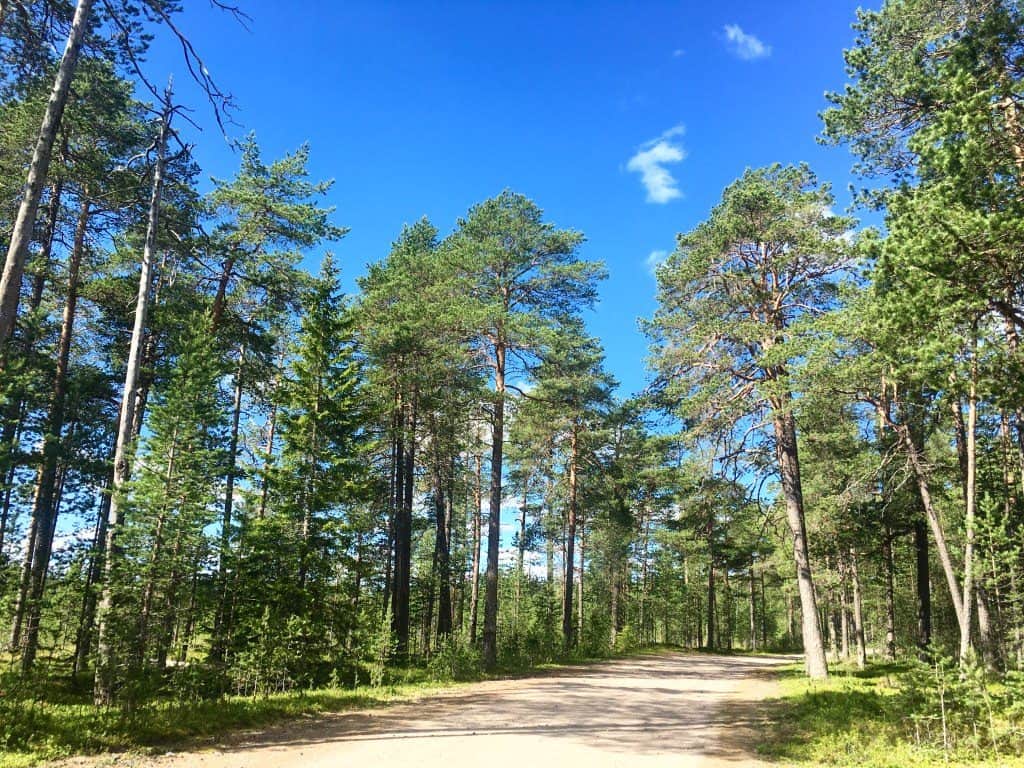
(456, 659)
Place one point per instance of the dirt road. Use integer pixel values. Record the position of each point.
(679, 710)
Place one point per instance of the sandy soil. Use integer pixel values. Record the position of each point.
(680, 710)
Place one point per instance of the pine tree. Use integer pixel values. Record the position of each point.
(169, 503)
(318, 478)
(726, 334)
(520, 277)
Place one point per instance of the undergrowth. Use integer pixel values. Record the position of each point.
(896, 716)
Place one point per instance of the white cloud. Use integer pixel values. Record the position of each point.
(745, 46)
(677, 53)
(675, 130)
(650, 161)
(654, 260)
(534, 563)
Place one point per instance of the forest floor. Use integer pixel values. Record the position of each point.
(676, 709)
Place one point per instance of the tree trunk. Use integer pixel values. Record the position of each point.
(917, 464)
(971, 503)
(789, 468)
(403, 527)
(8, 467)
(43, 507)
(24, 582)
(520, 554)
(490, 649)
(833, 619)
(427, 622)
(442, 551)
(568, 633)
(890, 596)
(21, 234)
(474, 595)
(843, 610)
(730, 628)
(220, 296)
(924, 589)
(582, 525)
(1018, 617)
(613, 609)
(15, 410)
(149, 590)
(170, 614)
(753, 609)
(699, 619)
(645, 542)
(549, 561)
(858, 613)
(271, 427)
(764, 616)
(190, 618)
(43, 268)
(387, 613)
(709, 640)
(103, 690)
(790, 620)
(454, 592)
(987, 643)
(221, 629)
(83, 640)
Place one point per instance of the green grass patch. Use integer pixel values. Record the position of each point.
(874, 718)
(45, 730)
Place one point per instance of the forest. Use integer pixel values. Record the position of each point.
(223, 476)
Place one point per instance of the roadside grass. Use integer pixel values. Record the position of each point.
(58, 721)
(864, 719)
(47, 731)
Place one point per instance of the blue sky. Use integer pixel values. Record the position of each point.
(623, 120)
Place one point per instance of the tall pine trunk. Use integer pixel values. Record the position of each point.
(970, 494)
(858, 612)
(889, 564)
(490, 646)
(221, 629)
(474, 594)
(15, 410)
(521, 554)
(25, 219)
(923, 585)
(442, 555)
(87, 617)
(44, 508)
(24, 582)
(752, 616)
(645, 542)
(923, 480)
(709, 638)
(404, 487)
(789, 469)
(103, 689)
(568, 633)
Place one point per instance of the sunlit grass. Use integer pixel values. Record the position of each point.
(38, 731)
(856, 718)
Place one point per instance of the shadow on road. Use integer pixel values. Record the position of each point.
(655, 705)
